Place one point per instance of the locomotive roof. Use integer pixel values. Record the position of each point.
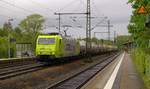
(57, 34)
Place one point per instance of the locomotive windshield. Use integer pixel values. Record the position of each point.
(46, 41)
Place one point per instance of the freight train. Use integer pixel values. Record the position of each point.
(54, 46)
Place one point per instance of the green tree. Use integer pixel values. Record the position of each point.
(29, 28)
(3, 47)
(32, 24)
(137, 24)
(123, 39)
(5, 32)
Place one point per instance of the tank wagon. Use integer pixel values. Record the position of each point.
(54, 45)
(96, 48)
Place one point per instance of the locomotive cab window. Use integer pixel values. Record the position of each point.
(46, 41)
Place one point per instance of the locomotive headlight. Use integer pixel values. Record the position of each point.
(53, 53)
(39, 53)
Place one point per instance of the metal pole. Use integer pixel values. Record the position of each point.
(94, 34)
(8, 46)
(114, 37)
(87, 30)
(90, 43)
(59, 22)
(109, 30)
(9, 24)
(88, 27)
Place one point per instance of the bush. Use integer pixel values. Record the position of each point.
(3, 47)
(142, 63)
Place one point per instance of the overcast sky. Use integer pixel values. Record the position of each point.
(118, 11)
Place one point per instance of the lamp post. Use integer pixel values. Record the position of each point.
(9, 24)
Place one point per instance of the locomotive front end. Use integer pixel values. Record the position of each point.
(46, 46)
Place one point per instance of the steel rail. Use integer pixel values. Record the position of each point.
(19, 70)
(78, 80)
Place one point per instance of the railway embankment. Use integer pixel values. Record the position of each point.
(141, 59)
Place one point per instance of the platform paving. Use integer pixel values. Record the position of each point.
(128, 77)
(120, 74)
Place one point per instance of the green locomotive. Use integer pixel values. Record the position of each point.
(56, 46)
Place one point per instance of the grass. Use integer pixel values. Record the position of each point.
(141, 60)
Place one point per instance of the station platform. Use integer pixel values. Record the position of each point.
(120, 74)
(127, 76)
(9, 59)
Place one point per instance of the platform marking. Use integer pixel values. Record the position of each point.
(112, 78)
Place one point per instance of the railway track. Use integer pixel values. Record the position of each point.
(16, 62)
(15, 65)
(6, 73)
(78, 80)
